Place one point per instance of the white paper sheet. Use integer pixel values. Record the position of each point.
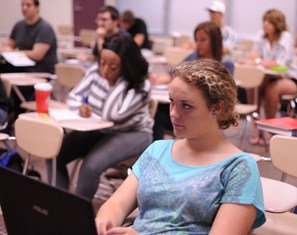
(68, 115)
(17, 58)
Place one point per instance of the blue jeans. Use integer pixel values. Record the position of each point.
(99, 152)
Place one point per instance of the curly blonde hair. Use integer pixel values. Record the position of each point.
(216, 84)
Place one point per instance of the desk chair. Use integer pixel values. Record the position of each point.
(286, 224)
(87, 37)
(280, 197)
(175, 55)
(41, 138)
(64, 29)
(242, 48)
(68, 75)
(248, 77)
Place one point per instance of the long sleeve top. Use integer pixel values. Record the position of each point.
(129, 110)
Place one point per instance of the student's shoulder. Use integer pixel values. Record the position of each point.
(45, 25)
(160, 145)
(245, 159)
(20, 23)
(285, 35)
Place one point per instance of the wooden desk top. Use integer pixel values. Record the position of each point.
(24, 79)
(279, 197)
(73, 51)
(33, 74)
(76, 125)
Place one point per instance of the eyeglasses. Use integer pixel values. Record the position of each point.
(101, 19)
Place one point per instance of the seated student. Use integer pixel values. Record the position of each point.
(217, 9)
(108, 24)
(35, 37)
(117, 90)
(209, 44)
(199, 184)
(273, 47)
(137, 28)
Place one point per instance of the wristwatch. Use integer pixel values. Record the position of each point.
(258, 61)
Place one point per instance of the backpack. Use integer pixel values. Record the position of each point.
(12, 160)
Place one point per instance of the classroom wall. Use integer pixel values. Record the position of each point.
(246, 16)
(164, 17)
(54, 11)
(182, 16)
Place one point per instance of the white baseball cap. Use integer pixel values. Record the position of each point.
(217, 6)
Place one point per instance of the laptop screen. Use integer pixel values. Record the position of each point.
(30, 206)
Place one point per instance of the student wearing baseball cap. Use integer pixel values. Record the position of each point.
(217, 10)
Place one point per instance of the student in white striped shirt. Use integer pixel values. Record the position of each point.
(117, 90)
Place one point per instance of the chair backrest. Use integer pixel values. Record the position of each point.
(87, 37)
(39, 137)
(175, 55)
(69, 75)
(248, 76)
(283, 153)
(65, 29)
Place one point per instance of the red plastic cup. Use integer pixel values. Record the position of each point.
(42, 96)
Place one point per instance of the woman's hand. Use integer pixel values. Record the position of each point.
(106, 227)
(85, 110)
(121, 231)
(103, 225)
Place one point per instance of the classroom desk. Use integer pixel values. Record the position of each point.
(75, 125)
(52, 104)
(265, 70)
(156, 59)
(73, 52)
(23, 79)
(278, 201)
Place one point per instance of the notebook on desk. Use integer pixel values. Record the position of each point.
(32, 207)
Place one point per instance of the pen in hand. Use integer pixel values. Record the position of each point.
(84, 99)
(85, 110)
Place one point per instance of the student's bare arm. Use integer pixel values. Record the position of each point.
(234, 219)
(38, 52)
(113, 212)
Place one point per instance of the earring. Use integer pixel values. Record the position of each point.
(214, 113)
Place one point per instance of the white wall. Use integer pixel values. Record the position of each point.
(152, 12)
(246, 16)
(164, 16)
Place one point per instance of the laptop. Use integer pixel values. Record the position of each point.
(30, 206)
